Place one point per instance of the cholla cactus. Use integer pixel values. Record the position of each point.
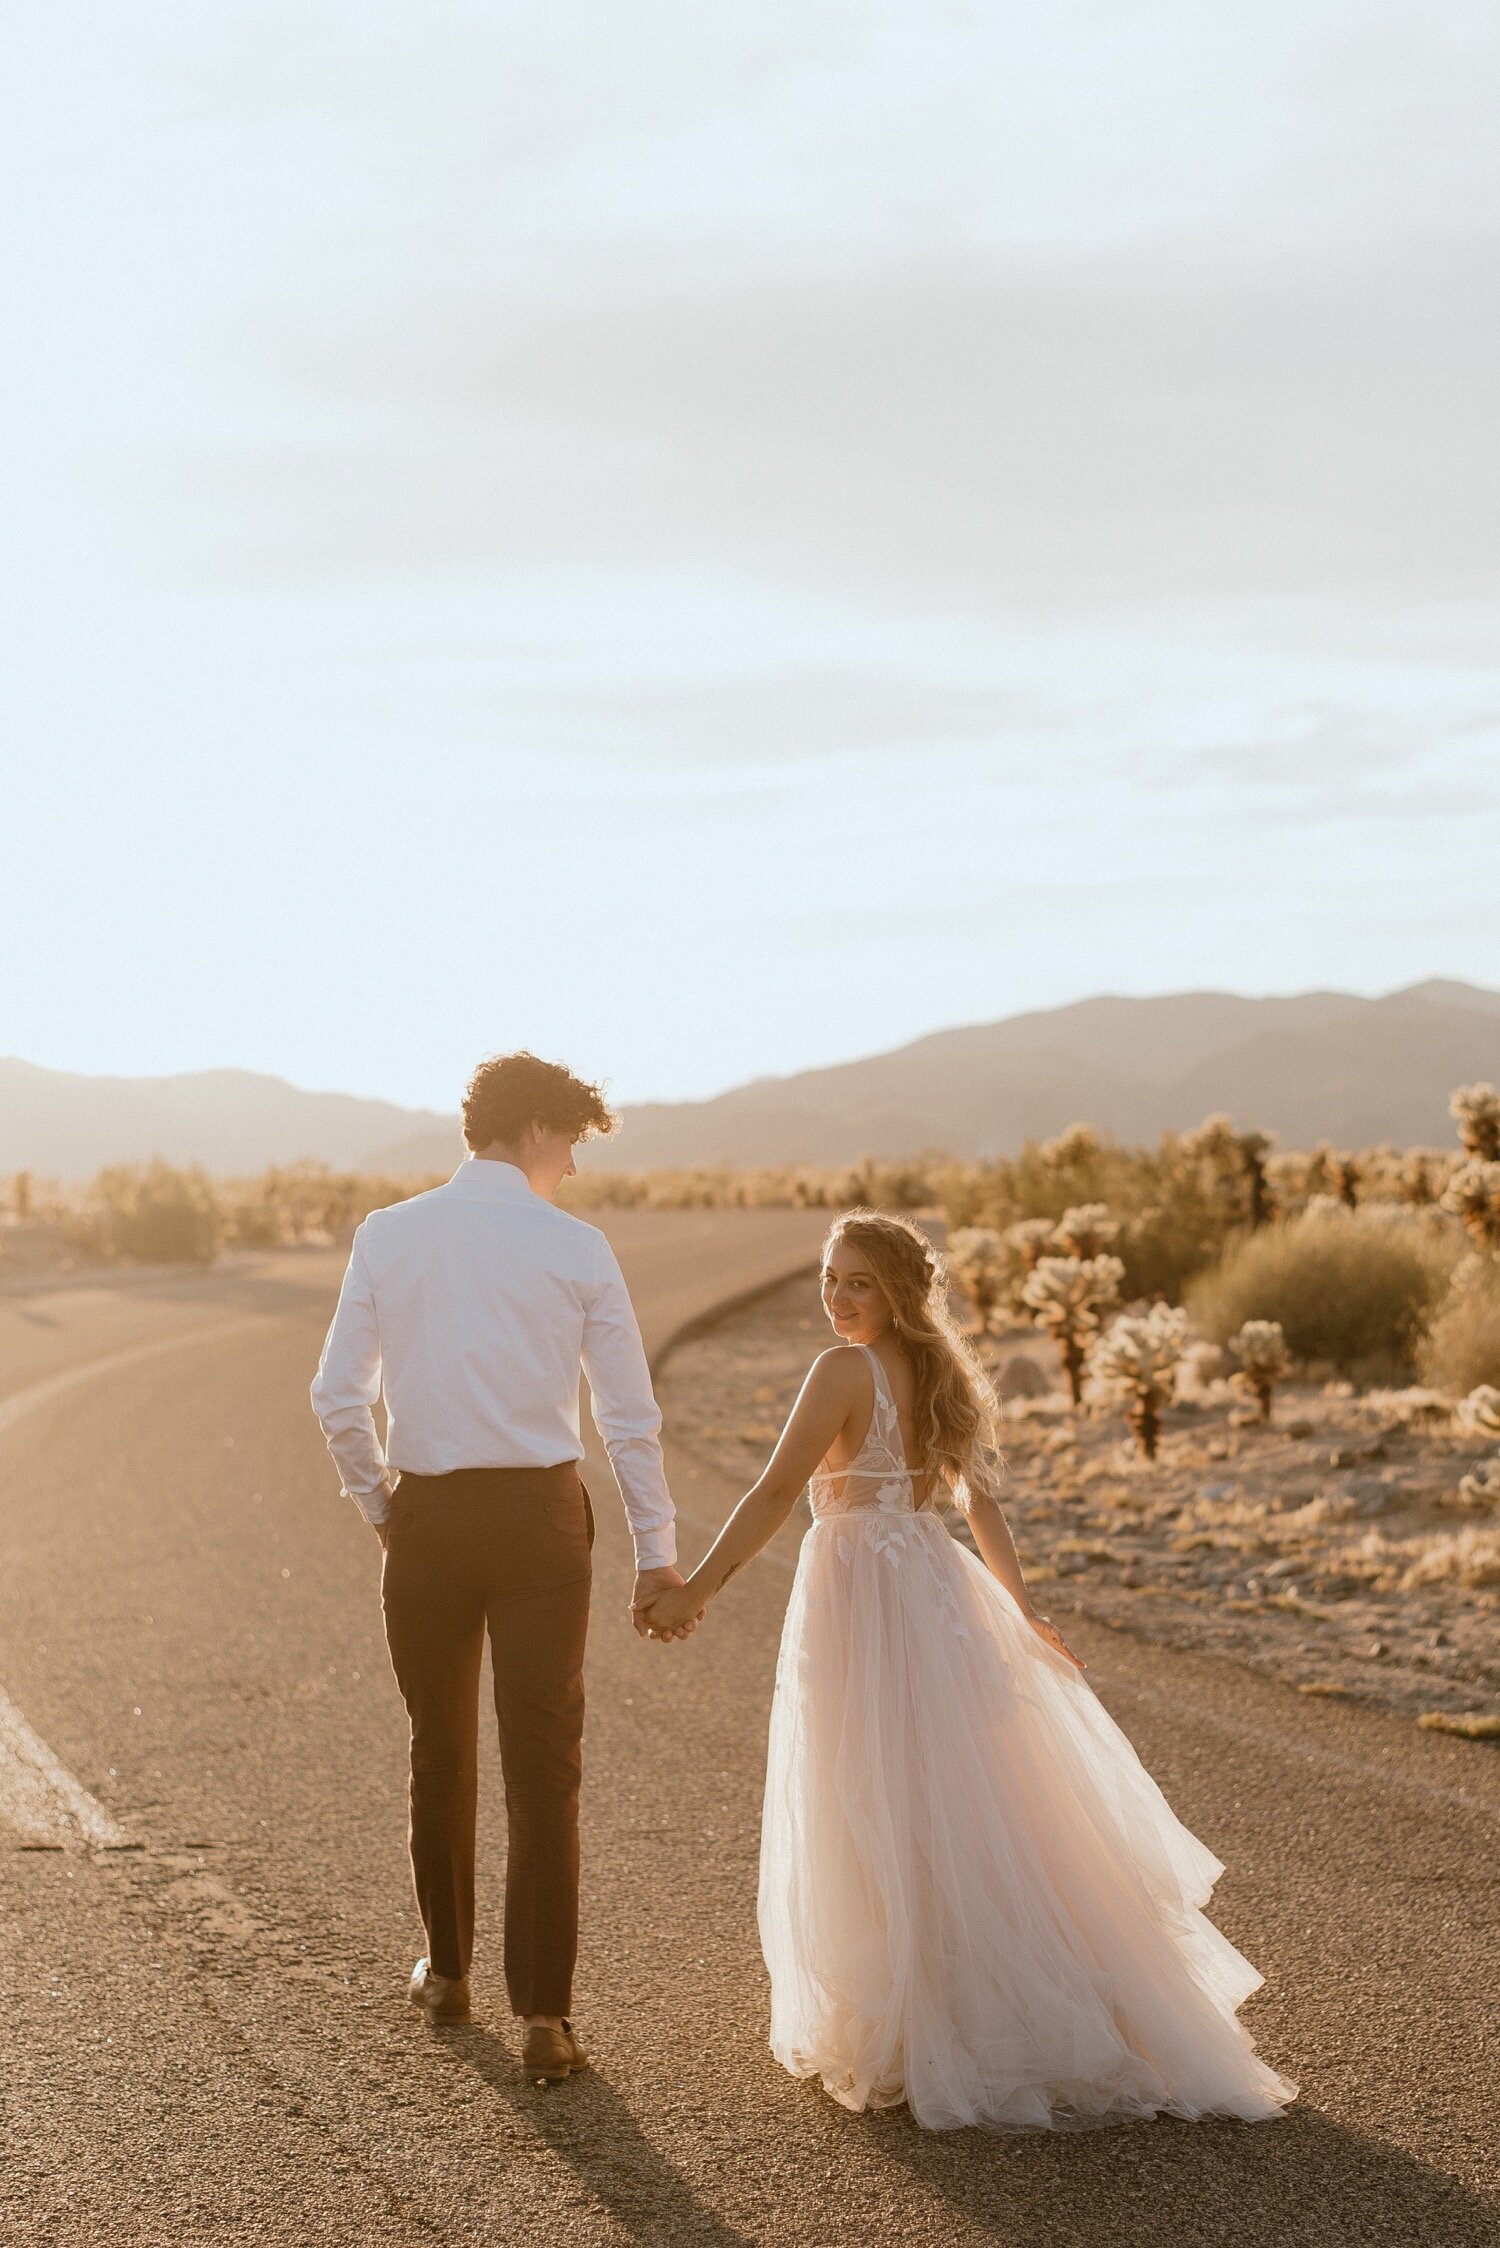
(1346, 1173)
(1140, 1358)
(1238, 1161)
(1069, 1296)
(1482, 1489)
(1477, 1109)
(1086, 1230)
(1420, 1174)
(976, 1257)
(1072, 1149)
(1479, 1412)
(1473, 1194)
(1286, 1182)
(1260, 1347)
(1027, 1240)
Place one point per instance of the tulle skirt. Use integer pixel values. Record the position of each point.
(973, 1896)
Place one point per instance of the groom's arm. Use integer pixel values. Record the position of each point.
(345, 1390)
(627, 1415)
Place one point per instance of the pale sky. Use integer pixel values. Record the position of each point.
(709, 540)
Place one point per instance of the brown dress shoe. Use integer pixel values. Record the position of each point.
(551, 2056)
(442, 1998)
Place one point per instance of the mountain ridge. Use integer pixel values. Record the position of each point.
(1307, 1065)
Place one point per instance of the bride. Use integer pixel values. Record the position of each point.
(973, 1897)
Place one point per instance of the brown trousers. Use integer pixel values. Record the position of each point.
(508, 1550)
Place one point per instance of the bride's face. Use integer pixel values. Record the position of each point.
(857, 1307)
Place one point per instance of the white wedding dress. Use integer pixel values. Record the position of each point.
(973, 1896)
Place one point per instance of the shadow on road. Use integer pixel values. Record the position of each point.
(1303, 2179)
(589, 2127)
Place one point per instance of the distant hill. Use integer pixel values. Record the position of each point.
(1320, 1065)
(230, 1120)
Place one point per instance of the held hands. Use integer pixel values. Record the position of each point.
(660, 1609)
(673, 1614)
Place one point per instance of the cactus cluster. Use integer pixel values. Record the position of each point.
(994, 1268)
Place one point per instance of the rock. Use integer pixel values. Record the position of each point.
(1021, 1376)
(1300, 1428)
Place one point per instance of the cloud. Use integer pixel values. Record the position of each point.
(970, 434)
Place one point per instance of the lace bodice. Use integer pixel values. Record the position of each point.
(878, 1475)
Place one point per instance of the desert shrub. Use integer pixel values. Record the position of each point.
(149, 1213)
(1345, 1290)
(1461, 1351)
(254, 1221)
(1165, 1245)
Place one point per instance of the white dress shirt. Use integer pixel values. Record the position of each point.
(473, 1307)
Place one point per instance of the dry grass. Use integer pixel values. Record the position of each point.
(1471, 1724)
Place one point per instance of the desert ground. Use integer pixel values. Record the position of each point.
(207, 1906)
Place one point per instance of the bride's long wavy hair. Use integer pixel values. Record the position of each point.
(954, 1408)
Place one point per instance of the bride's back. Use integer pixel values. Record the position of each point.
(874, 1466)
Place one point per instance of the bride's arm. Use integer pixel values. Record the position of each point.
(997, 1550)
(837, 1384)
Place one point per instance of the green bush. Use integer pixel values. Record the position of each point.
(150, 1214)
(1354, 1291)
(1462, 1348)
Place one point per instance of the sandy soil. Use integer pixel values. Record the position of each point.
(1330, 1549)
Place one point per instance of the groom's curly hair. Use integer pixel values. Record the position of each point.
(510, 1092)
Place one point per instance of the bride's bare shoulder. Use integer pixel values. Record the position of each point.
(839, 1374)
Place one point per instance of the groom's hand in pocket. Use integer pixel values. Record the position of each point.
(649, 1585)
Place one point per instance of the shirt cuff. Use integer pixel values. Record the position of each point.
(656, 1549)
(374, 1505)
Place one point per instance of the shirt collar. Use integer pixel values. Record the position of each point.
(485, 1176)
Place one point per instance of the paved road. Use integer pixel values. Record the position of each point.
(204, 2035)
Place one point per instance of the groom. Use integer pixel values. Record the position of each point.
(473, 1307)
